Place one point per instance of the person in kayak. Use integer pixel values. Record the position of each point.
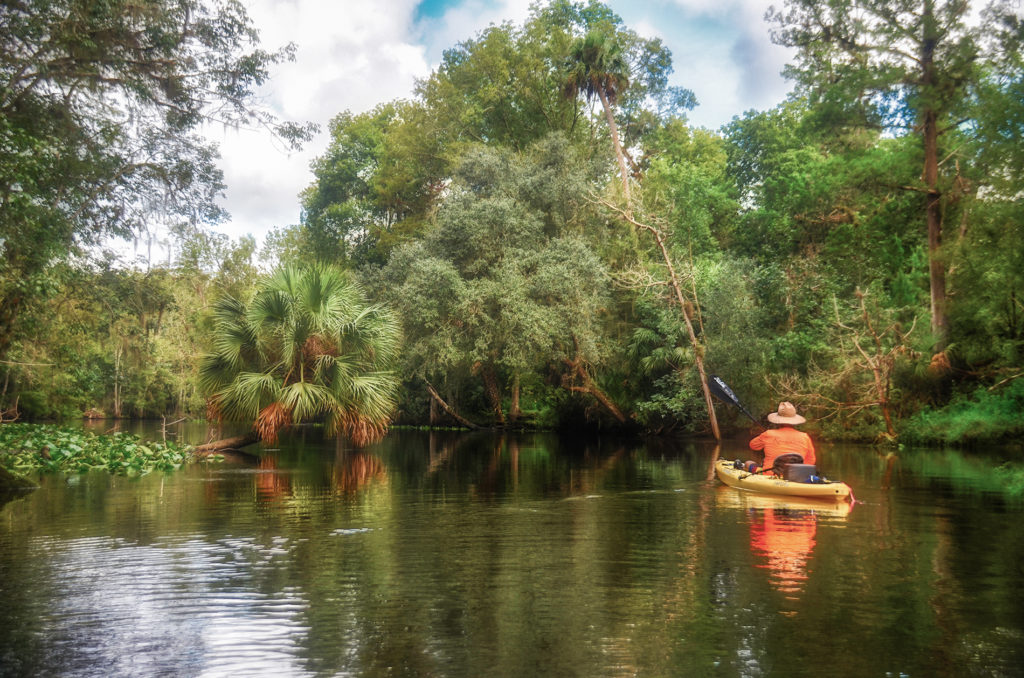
(785, 439)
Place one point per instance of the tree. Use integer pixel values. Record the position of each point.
(99, 107)
(374, 185)
(306, 347)
(596, 66)
(503, 287)
(906, 66)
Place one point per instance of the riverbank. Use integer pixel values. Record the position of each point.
(983, 417)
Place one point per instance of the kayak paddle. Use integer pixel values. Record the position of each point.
(722, 391)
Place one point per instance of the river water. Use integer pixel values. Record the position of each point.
(480, 555)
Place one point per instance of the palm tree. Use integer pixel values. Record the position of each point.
(308, 347)
(596, 66)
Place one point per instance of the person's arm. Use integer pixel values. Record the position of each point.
(758, 442)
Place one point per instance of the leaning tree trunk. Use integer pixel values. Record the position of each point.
(233, 443)
(577, 369)
(10, 482)
(619, 154)
(684, 306)
(444, 406)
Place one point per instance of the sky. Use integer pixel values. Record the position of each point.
(354, 54)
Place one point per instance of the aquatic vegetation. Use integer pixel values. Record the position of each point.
(26, 448)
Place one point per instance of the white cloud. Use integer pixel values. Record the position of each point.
(350, 56)
(721, 50)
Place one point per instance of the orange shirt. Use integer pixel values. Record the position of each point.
(783, 440)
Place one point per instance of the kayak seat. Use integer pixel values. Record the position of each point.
(791, 467)
(784, 460)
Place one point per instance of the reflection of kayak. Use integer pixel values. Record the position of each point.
(769, 484)
(824, 508)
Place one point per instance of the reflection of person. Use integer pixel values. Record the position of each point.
(785, 439)
(785, 539)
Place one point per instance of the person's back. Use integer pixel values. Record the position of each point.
(785, 439)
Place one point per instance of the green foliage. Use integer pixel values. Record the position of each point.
(687, 181)
(120, 341)
(972, 419)
(373, 186)
(988, 320)
(98, 119)
(26, 448)
(501, 281)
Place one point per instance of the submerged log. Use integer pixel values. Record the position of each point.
(233, 443)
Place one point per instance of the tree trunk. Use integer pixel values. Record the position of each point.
(590, 387)
(698, 348)
(10, 481)
(513, 410)
(619, 154)
(444, 406)
(593, 389)
(933, 207)
(228, 443)
(493, 393)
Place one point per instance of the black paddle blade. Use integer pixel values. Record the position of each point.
(722, 391)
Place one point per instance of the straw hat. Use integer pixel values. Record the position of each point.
(786, 415)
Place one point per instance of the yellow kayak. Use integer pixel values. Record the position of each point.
(727, 498)
(769, 484)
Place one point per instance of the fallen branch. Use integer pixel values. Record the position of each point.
(577, 369)
(1005, 381)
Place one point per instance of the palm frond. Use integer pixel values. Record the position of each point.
(270, 309)
(215, 372)
(305, 400)
(284, 279)
(373, 394)
(250, 392)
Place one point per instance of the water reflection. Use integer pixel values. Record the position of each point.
(354, 471)
(784, 538)
(472, 555)
(272, 483)
(783, 535)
